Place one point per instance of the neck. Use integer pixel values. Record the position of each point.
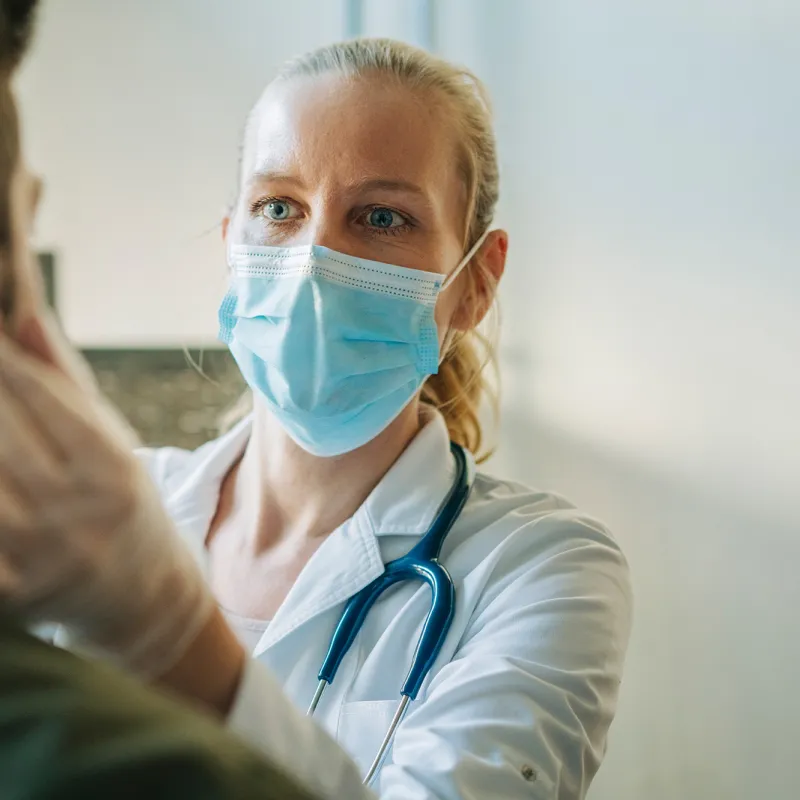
(285, 493)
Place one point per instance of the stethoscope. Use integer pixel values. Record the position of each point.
(421, 563)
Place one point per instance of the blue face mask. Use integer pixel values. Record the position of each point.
(336, 345)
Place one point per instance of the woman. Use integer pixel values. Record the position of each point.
(362, 259)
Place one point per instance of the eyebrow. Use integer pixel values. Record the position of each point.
(395, 185)
(389, 184)
(364, 185)
(274, 176)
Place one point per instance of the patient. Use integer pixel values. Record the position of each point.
(78, 730)
(70, 728)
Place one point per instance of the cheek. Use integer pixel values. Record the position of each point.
(446, 308)
(243, 229)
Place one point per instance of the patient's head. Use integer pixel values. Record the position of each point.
(16, 24)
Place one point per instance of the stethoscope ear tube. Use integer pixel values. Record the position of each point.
(421, 563)
(387, 740)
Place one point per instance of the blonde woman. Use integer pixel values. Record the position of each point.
(362, 258)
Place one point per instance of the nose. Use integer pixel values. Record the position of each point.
(330, 225)
(326, 231)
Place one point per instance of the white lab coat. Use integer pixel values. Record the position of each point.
(519, 702)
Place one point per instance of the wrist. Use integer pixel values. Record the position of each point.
(210, 670)
(150, 604)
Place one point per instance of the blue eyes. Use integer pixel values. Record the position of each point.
(385, 218)
(378, 219)
(277, 210)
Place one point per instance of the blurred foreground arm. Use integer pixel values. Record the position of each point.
(75, 729)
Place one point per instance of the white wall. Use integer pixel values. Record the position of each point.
(652, 333)
(651, 349)
(134, 112)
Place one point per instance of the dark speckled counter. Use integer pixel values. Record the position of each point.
(166, 399)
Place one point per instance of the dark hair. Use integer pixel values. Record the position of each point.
(16, 26)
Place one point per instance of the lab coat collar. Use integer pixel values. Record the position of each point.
(207, 467)
(405, 501)
(409, 495)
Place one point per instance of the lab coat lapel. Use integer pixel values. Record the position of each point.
(347, 561)
(351, 557)
(402, 504)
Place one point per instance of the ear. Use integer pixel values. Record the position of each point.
(487, 266)
(21, 284)
(226, 221)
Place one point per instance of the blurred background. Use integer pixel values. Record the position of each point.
(651, 307)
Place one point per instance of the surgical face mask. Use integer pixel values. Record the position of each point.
(336, 345)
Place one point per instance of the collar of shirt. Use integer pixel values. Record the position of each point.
(404, 502)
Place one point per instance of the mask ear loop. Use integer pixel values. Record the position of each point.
(449, 280)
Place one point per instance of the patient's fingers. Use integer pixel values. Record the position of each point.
(9, 578)
(39, 335)
(13, 513)
(26, 455)
(53, 406)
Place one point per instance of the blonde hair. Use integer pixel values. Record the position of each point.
(460, 387)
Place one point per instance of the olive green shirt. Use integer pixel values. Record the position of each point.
(70, 728)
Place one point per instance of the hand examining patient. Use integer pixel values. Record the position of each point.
(84, 538)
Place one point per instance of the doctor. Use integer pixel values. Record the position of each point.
(362, 257)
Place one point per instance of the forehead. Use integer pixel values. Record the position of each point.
(339, 130)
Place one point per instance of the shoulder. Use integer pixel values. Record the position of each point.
(176, 470)
(529, 547)
(188, 483)
(538, 523)
(164, 463)
(543, 610)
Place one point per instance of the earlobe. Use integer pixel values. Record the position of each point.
(226, 221)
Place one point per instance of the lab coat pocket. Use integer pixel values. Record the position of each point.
(362, 726)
